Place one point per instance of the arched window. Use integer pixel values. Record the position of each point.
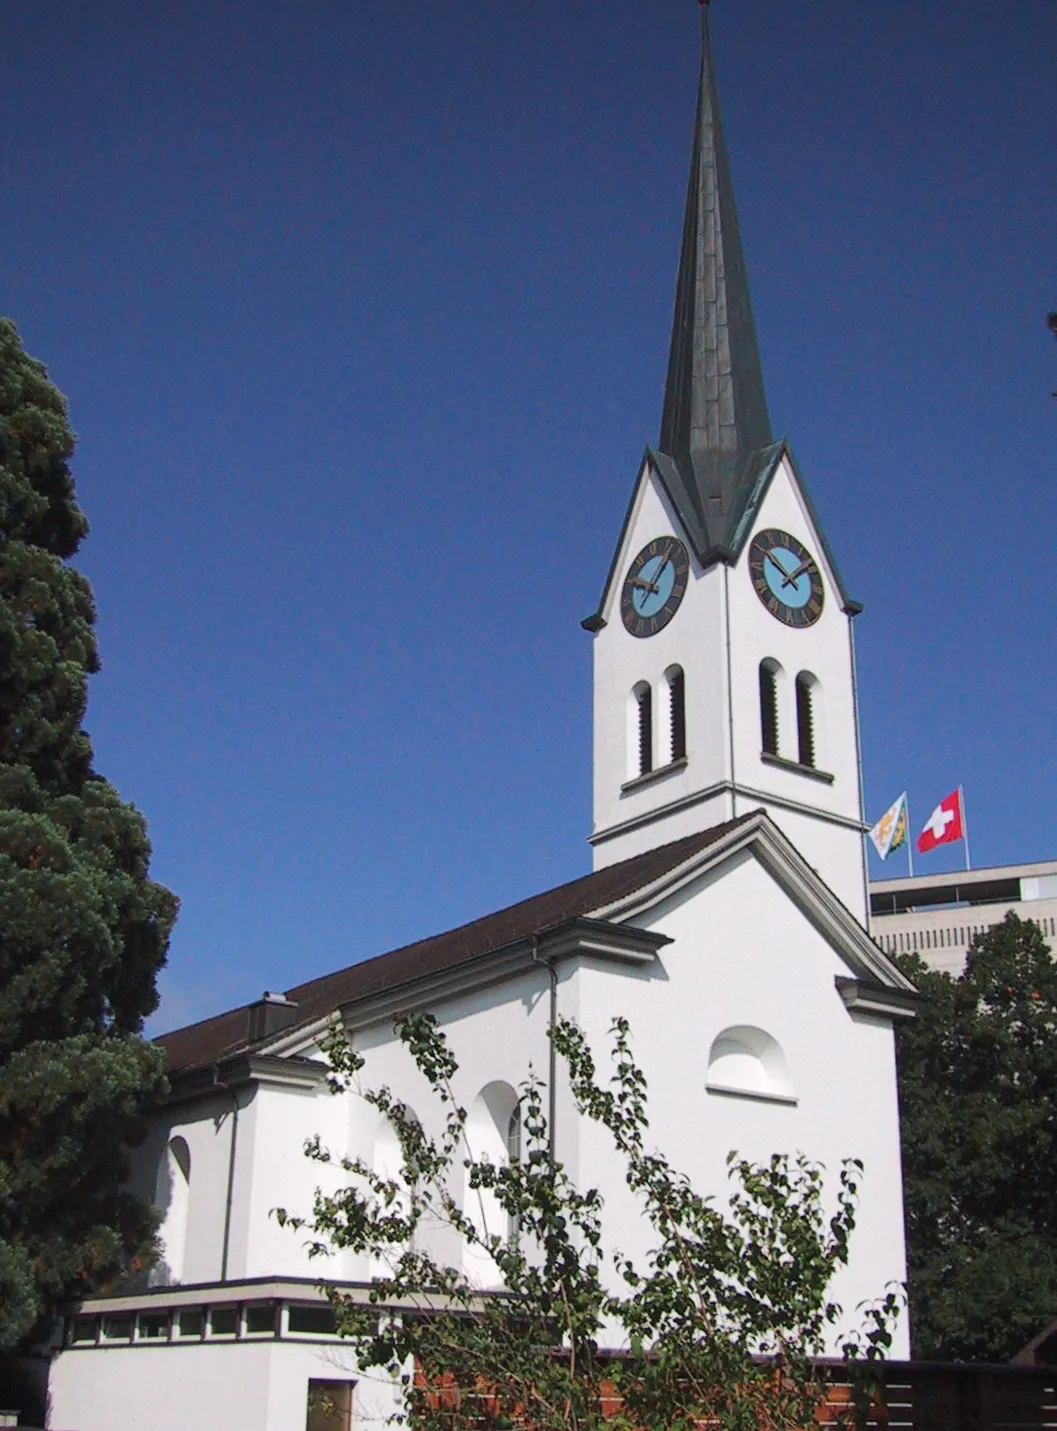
(513, 1135)
(769, 671)
(513, 1153)
(676, 712)
(493, 1133)
(388, 1161)
(806, 725)
(643, 729)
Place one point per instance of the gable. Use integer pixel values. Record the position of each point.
(758, 836)
(651, 512)
(739, 915)
(783, 469)
(683, 517)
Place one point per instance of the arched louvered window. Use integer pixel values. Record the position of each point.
(676, 712)
(769, 706)
(644, 704)
(805, 718)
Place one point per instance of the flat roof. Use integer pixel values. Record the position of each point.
(998, 884)
(966, 877)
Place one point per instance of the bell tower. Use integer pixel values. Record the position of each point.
(724, 666)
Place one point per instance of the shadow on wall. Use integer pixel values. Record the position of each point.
(24, 1388)
(172, 1197)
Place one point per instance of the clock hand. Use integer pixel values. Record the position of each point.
(777, 565)
(645, 585)
(794, 576)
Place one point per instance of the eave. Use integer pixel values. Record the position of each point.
(302, 1075)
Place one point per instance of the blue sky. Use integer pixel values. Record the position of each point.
(362, 311)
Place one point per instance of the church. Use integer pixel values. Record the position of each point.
(725, 916)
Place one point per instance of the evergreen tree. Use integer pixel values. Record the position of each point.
(978, 1088)
(83, 931)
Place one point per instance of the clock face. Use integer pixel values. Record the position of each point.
(786, 577)
(654, 586)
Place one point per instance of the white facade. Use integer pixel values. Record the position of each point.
(764, 1025)
(718, 637)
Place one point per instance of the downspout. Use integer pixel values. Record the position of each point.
(219, 1083)
(552, 1069)
(730, 692)
(862, 786)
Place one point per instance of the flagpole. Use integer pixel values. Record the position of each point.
(965, 827)
(910, 840)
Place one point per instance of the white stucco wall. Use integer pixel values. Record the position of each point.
(836, 851)
(277, 1173)
(744, 954)
(694, 640)
(498, 1036)
(205, 1125)
(723, 706)
(205, 1386)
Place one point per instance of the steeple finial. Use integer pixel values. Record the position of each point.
(715, 419)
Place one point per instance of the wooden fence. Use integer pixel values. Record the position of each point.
(946, 1396)
(913, 1396)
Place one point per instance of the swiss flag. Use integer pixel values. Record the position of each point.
(944, 825)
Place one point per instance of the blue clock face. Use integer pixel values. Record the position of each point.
(658, 578)
(654, 586)
(786, 578)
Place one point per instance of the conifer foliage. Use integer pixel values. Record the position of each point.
(83, 930)
(978, 1090)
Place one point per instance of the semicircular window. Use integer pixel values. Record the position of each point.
(748, 1061)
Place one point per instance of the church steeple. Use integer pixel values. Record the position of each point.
(724, 664)
(715, 423)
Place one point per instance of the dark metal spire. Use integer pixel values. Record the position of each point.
(715, 421)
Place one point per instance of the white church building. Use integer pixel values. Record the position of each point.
(726, 917)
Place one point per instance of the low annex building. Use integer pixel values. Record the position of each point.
(726, 916)
(938, 916)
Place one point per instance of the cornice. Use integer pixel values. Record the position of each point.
(867, 999)
(301, 1075)
(727, 787)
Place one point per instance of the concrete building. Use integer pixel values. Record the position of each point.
(936, 916)
(725, 916)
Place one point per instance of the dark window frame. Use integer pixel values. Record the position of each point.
(805, 720)
(768, 708)
(644, 702)
(677, 713)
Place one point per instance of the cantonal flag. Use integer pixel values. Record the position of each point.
(890, 832)
(945, 825)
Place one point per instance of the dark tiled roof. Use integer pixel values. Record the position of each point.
(200, 1045)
